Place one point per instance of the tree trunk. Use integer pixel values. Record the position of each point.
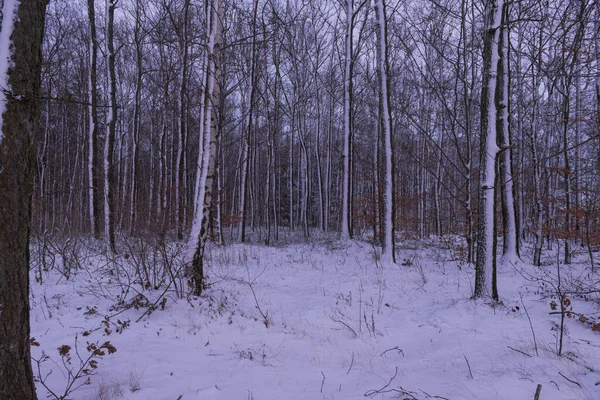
(94, 150)
(346, 198)
(511, 245)
(136, 119)
(182, 123)
(485, 265)
(245, 189)
(109, 170)
(21, 36)
(387, 253)
(199, 233)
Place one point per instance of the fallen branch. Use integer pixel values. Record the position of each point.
(429, 396)
(351, 364)
(519, 351)
(572, 381)
(469, 366)
(384, 389)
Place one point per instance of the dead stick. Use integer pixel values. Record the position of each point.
(351, 364)
(538, 390)
(530, 325)
(468, 365)
(576, 383)
(522, 352)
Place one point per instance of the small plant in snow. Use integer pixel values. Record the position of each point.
(78, 369)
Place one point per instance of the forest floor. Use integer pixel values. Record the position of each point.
(313, 321)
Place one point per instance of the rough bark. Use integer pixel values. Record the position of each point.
(19, 122)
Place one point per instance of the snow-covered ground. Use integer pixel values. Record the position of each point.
(338, 326)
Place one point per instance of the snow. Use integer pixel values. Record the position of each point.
(321, 301)
(9, 13)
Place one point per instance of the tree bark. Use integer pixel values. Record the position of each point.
(20, 66)
(245, 180)
(199, 233)
(110, 176)
(510, 251)
(387, 253)
(485, 265)
(94, 150)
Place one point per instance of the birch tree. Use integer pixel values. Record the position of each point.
(207, 158)
(485, 266)
(510, 237)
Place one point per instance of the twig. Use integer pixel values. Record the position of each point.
(519, 351)
(428, 396)
(250, 284)
(360, 307)
(538, 390)
(572, 381)
(468, 365)
(384, 389)
(530, 325)
(346, 325)
(398, 349)
(323, 381)
(153, 307)
(351, 364)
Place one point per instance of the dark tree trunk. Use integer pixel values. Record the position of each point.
(95, 151)
(19, 124)
(110, 173)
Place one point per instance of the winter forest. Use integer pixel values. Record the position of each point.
(299, 199)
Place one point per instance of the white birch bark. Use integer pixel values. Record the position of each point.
(198, 235)
(486, 241)
(9, 14)
(510, 250)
